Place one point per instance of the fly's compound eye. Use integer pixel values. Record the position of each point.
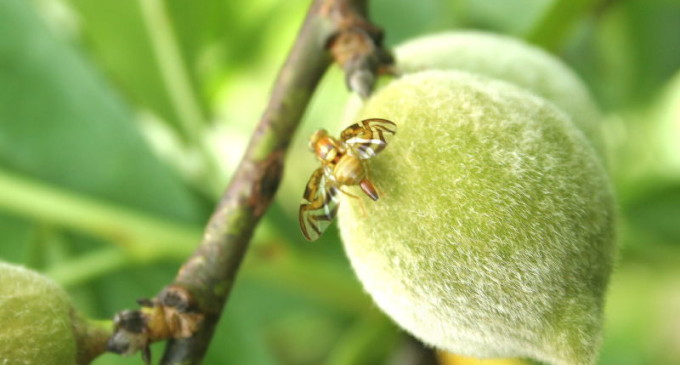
(314, 139)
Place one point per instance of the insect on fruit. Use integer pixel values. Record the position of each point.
(343, 162)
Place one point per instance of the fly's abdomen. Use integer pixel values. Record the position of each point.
(348, 170)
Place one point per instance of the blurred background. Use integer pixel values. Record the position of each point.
(122, 121)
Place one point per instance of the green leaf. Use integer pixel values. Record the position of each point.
(116, 34)
(654, 26)
(18, 237)
(628, 51)
(558, 21)
(61, 123)
(658, 215)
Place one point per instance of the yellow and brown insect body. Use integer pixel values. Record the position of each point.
(343, 164)
(346, 169)
(350, 170)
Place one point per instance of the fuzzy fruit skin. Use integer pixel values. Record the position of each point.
(508, 59)
(35, 314)
(494, 233)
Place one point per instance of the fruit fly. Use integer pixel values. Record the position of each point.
(343, 162)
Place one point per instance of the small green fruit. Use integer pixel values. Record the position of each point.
(36, 318)
(494, 233)
(507, 59)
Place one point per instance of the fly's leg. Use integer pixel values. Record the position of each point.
(362, 207)
(348, 193)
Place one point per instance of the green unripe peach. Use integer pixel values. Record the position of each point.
(39, 324)
(494, 233)
(35, 317)
(507, 59)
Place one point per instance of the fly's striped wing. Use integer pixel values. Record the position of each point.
(319, 205)
(368, 137)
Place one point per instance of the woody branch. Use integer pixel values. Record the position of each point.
(187, 311)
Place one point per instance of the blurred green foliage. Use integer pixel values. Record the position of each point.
(121, 121)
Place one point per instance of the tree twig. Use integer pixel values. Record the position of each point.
(187, 311)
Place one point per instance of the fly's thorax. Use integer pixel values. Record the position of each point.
(349, 170)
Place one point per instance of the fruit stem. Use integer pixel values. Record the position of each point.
(91, 337)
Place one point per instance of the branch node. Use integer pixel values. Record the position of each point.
(170, 315)
(357, 47)
(177, 297)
